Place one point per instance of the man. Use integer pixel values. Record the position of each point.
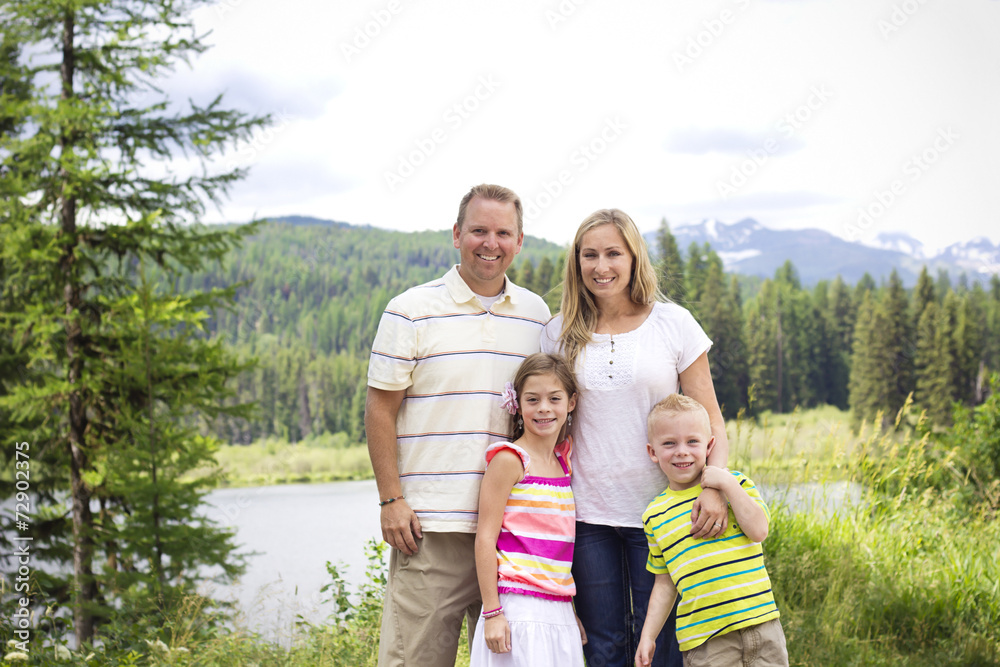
(439, 361)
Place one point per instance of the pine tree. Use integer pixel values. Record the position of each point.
(871, 383)
(968, 348)
(923, 295)
(943, 387)
(763, 350)
(80, 211)
(935, 365)
(512, 275)
(798, 341)
(991, 337)
(942, 285)
(865, 284)
(898, 337)
(545, 279)
(670, 266)
(722, 321)
(526, 274)
(838, 316)
(695, 272)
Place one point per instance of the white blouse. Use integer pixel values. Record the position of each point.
(613, 477)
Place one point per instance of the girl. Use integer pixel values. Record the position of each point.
(524, 541)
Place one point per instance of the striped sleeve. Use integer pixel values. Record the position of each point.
(394, 350)
(753, 492)
(655, 563)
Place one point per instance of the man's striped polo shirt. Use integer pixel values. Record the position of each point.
(453, 357)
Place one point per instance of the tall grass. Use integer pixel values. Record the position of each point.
(906, 573)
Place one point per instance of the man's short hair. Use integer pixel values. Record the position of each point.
(496, 193)
(676, 404)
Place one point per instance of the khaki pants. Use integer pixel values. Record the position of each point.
(757, 646)
(426, 597)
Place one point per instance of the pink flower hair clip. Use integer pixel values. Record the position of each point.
(508, 398)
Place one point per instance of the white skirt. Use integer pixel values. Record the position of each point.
(543, 633)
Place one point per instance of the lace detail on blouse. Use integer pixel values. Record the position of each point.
(611, 366)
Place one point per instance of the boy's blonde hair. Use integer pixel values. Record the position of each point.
(676, 404)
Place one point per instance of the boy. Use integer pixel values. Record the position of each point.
(727, 614)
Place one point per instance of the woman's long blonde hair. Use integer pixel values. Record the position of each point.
(579, 310)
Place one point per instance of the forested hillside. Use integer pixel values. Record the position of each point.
(315, 291)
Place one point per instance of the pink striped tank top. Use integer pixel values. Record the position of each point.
(535, 545)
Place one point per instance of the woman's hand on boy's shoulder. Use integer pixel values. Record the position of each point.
(714, 477)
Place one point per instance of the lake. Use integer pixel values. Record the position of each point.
(295, 529)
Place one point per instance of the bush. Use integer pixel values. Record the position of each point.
(975, 442)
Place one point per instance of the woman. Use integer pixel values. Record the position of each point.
(629, 349)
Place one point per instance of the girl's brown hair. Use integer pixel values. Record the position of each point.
(541, 364)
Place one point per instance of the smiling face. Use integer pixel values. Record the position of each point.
(488, 240)
(544, 405)
(679, 443)
(605, 263)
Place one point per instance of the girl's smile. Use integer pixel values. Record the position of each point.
(544, 406)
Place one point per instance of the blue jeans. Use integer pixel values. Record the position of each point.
(612, 593)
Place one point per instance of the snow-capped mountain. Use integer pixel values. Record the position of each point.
(750, 248)
(976, 256)
(900, 242)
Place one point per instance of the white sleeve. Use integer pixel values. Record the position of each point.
(549, 341)
(394, 350)
(693, 340)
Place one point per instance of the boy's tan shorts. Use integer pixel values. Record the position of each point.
(757, 646)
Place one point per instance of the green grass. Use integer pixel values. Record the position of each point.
(274, 461)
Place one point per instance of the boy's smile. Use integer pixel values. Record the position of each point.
(680, 444)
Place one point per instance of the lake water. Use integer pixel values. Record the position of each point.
(297, 528)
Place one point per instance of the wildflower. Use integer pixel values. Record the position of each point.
(15, 656)
(63, 653)
(158, 645)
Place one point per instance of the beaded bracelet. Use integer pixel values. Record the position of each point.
(382, 503)
(495, 612)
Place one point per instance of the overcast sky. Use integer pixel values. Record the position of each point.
(797, 113)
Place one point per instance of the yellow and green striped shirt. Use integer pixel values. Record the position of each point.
(721, 581)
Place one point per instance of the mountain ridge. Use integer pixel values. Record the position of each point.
(748, 247)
